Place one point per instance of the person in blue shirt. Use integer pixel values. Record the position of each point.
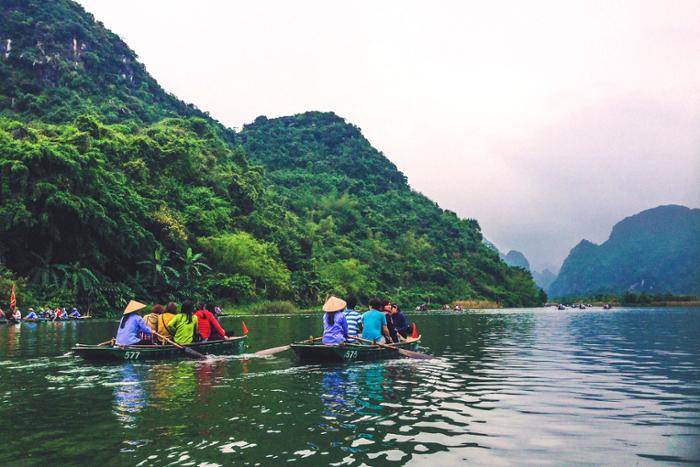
(353, 318)
(335, 327)
(74, 313)
(132, 326)
(31, 315)
(374, 323)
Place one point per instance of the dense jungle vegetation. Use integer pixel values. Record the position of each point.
(111, 188)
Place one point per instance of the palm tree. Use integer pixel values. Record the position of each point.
(45, 274)
(192, 265)
(78, 278)
(159, 268)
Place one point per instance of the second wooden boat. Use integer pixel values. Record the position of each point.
(317, 352)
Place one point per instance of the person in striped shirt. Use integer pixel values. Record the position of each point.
(353, 318)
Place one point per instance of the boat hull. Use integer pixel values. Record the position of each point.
(349, 352)
(235, 346)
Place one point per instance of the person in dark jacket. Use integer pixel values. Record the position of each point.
(400, 324)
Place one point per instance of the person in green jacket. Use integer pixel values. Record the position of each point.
(184, 325)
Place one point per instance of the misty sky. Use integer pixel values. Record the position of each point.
(546, 121)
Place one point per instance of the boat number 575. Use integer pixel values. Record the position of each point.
(351, 355)
(131, 355)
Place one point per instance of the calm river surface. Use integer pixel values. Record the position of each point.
(509, 387)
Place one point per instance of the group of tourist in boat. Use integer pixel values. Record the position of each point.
(383, 323)
(42, 314)
(193, 322)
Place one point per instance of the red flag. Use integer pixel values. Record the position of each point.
(13, 298)
(245, 328)
(415, 331)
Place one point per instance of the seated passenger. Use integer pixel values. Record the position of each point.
(209, 327)
(374, 323)
(400, 322)
(31, 315)
(353, 319)
(74, 313)
(17, 314)
(164, 319)
(335, 327)
(184, 325)
(132, 326)
(151, 319)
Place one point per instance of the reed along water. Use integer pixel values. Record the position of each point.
(508, 387)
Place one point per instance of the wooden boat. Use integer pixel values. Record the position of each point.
(234, 346)
(317, 352)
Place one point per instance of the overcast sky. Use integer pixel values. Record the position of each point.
(547, 121)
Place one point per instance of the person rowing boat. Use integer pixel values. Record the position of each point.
(335, 326)
(132, 326)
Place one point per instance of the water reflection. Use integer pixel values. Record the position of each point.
(130, 396)
(515, 386)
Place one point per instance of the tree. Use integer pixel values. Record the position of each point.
(159, 269)
(192, 265)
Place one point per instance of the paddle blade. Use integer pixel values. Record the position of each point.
(193, 353)
(273, 350)
(416, 355)
(415, 332)
(245, 328)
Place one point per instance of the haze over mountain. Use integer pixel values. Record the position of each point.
(654, 251)
(113, 189)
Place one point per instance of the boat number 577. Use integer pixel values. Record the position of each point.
(131, 355)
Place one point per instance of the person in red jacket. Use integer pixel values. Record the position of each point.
(209, 327)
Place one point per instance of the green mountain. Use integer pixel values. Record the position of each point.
(112, 188)
(516, 259)
(655, 251)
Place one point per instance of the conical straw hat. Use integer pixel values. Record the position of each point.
(133, 306)
(334, 304)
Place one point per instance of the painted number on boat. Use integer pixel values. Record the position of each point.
(351, 355)
(131, 355)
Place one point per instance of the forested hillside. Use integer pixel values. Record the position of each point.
(111, 188)
(655, 251)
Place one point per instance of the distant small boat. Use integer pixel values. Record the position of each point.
(607, 306)
(561, 307)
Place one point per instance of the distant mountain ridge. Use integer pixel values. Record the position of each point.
(516, 259)
(654, 251)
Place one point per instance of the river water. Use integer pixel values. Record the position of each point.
(508, 387)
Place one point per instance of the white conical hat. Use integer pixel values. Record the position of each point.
(334, 304)
(133, 306)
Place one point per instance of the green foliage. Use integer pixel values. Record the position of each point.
(274, 307)
(364, 229)
(347, 277)
(240, 253)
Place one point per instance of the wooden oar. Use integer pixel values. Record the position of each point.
(404, 352)
(190, 352)
(282, 348)
(111, 341)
